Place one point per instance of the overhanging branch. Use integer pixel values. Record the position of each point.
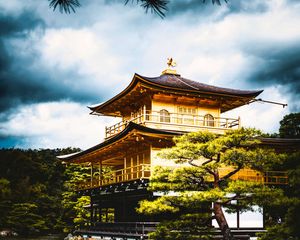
(231, 173)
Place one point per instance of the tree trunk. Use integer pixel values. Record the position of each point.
(222, 222)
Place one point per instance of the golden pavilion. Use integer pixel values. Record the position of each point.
(152, 110)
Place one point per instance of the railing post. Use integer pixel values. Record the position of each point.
(143, 171)
(144, 114)
(239, 119)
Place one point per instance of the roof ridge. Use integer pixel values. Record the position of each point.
(181, 80)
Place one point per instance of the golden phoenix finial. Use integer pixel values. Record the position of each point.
(171, 63)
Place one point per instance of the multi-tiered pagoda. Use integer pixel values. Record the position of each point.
(152, 110)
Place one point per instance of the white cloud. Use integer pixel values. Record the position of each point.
(80, 50)
(56, 125)
(105, 44)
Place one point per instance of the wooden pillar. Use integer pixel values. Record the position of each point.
(125, 170)
(145, 113)
(92, 172)
(100, 211)
(92, 210)
(100, 173)
(138, 167)
(100, 214)
(131, 167)
(238, 218)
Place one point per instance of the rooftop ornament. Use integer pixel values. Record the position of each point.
(170, 69)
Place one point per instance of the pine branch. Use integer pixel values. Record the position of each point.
(155, 6)
(231, 173)
(64, 5)
(190, 161)
(158, 7)
(235, 197)
(208, 161)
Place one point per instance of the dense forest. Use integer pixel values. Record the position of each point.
(37, 192)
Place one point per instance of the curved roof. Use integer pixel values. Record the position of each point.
(174, 83)
(129, 128)
(282, 144)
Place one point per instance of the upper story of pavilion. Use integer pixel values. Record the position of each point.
(172, 102)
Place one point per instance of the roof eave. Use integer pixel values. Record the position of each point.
(138, 78)
(129, 128)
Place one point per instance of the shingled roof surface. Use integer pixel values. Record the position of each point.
(176, 81)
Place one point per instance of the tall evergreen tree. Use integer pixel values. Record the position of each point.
(198, 189)
(290, 126)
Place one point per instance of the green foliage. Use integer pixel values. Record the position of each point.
(34, 191)
(283, 219)
(290, 126)
(199, 182)
(5, 190)
(25, 219)
(82, 214)
(74, 205)
(5, 203)
(187, 226)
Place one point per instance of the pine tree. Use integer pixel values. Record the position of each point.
(199, 189)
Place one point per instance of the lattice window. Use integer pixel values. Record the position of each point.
(209, 120)
(187, 110)
(164, 116)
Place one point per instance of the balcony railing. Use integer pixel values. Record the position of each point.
(268, 177)
(174, 121)
(142, 171)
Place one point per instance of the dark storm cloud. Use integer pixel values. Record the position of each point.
(207, 8)
(281, 67)
(191, 6)
(9, 141)
(17, 26)
(20, 82)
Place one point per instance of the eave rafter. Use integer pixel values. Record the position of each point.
(114, 153)
(127, 103)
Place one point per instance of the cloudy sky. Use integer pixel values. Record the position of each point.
(53, 65)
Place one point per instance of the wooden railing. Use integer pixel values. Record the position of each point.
(175, 119)
(142, 171)
(268, 177)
